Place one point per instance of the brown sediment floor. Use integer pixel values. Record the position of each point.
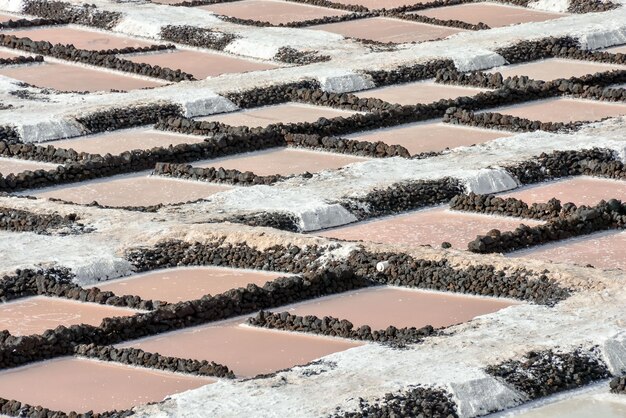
(134, 190)
(200, 64)
(76, 384)
(66, 77)
(430, 136)
(37, 314)
(605, 250)
(494, 15)
(80, 38)
(284, 161)
(117, 142)
(423, 92)
(272, 11)
(426, 227)
(581, 190)
(384, 29)
(282, 113)
(563, 110)
(15, 166)
(555, 68)
(182, 284)
(383, 306)
(245, 350)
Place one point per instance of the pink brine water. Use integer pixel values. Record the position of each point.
(423, 92)
(274, 12)
(15, 166)
(554, 68)
(563, 110)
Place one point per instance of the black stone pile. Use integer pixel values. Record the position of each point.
(377, 149)
(216, 175)
(270, 95)
(335, 327)
(24, 283)
(550, 47)
(30, 23)
(85, 14)
(137, 357)
(441, 275)
(333, 5)
(127, 117)
(453, 23)
(543, 373)
(278, 220)
(15, 408)
(19, 220)
(591, 6)
(420, 402)
(9, 135)
(198, 37)
(293, 56)
(21, 60)
(508, 206)
(618, 385)
(407, 74)
(582, 220)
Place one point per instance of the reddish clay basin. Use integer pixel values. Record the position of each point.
(14, 166)
(580, 190)
(431, 136)
(494, 15)
(12, 54)
(282, 113)
(5, 18)
(35, 315)
(555, 68)
(381, 4)
(564, 110)
(134, 190)
(423, 92)
(384, 29)
(200, 64)
(82, 385)
(117, 142)
(605, 250)
(383, 306)
(80, 38)
(274, 12)
(284, 161)
(245, 350)
(182, 284)
(427, 227)
(65, 77)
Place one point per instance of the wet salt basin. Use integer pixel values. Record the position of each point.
(605, 250)
(380, 4)
(132, 190)
(427, 227)
(274, 12)
(245, 350)
(284, 161)
(37, 314)
(494, 15)
(81, 385)
(15, 166)
(384, 29)
(66, 77)
(430, 136)
(282, 113)
(423, 92)
(555, 68)
(383, 306)
(81, 38)
(119, 141)
(182, 284)
(563, 110)
(581, 190)
(200, 64)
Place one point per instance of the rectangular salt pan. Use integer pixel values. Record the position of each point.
(384, 29)
(200, 64)
(274, 12)
(563, 110)
(605, 250)
(282, 161)
(381, 4)
(15, 166)
(117, 142)
(134, 190)
(493, 15)
(245, 350)
(555, 68)
(64, 77)
(427, 227)
(282, 113)
(35, 315)
(81, 38)
(580, 190)
(181, 284)
(75, 384)
(422, 92)
(431, 136)
(381, 307)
